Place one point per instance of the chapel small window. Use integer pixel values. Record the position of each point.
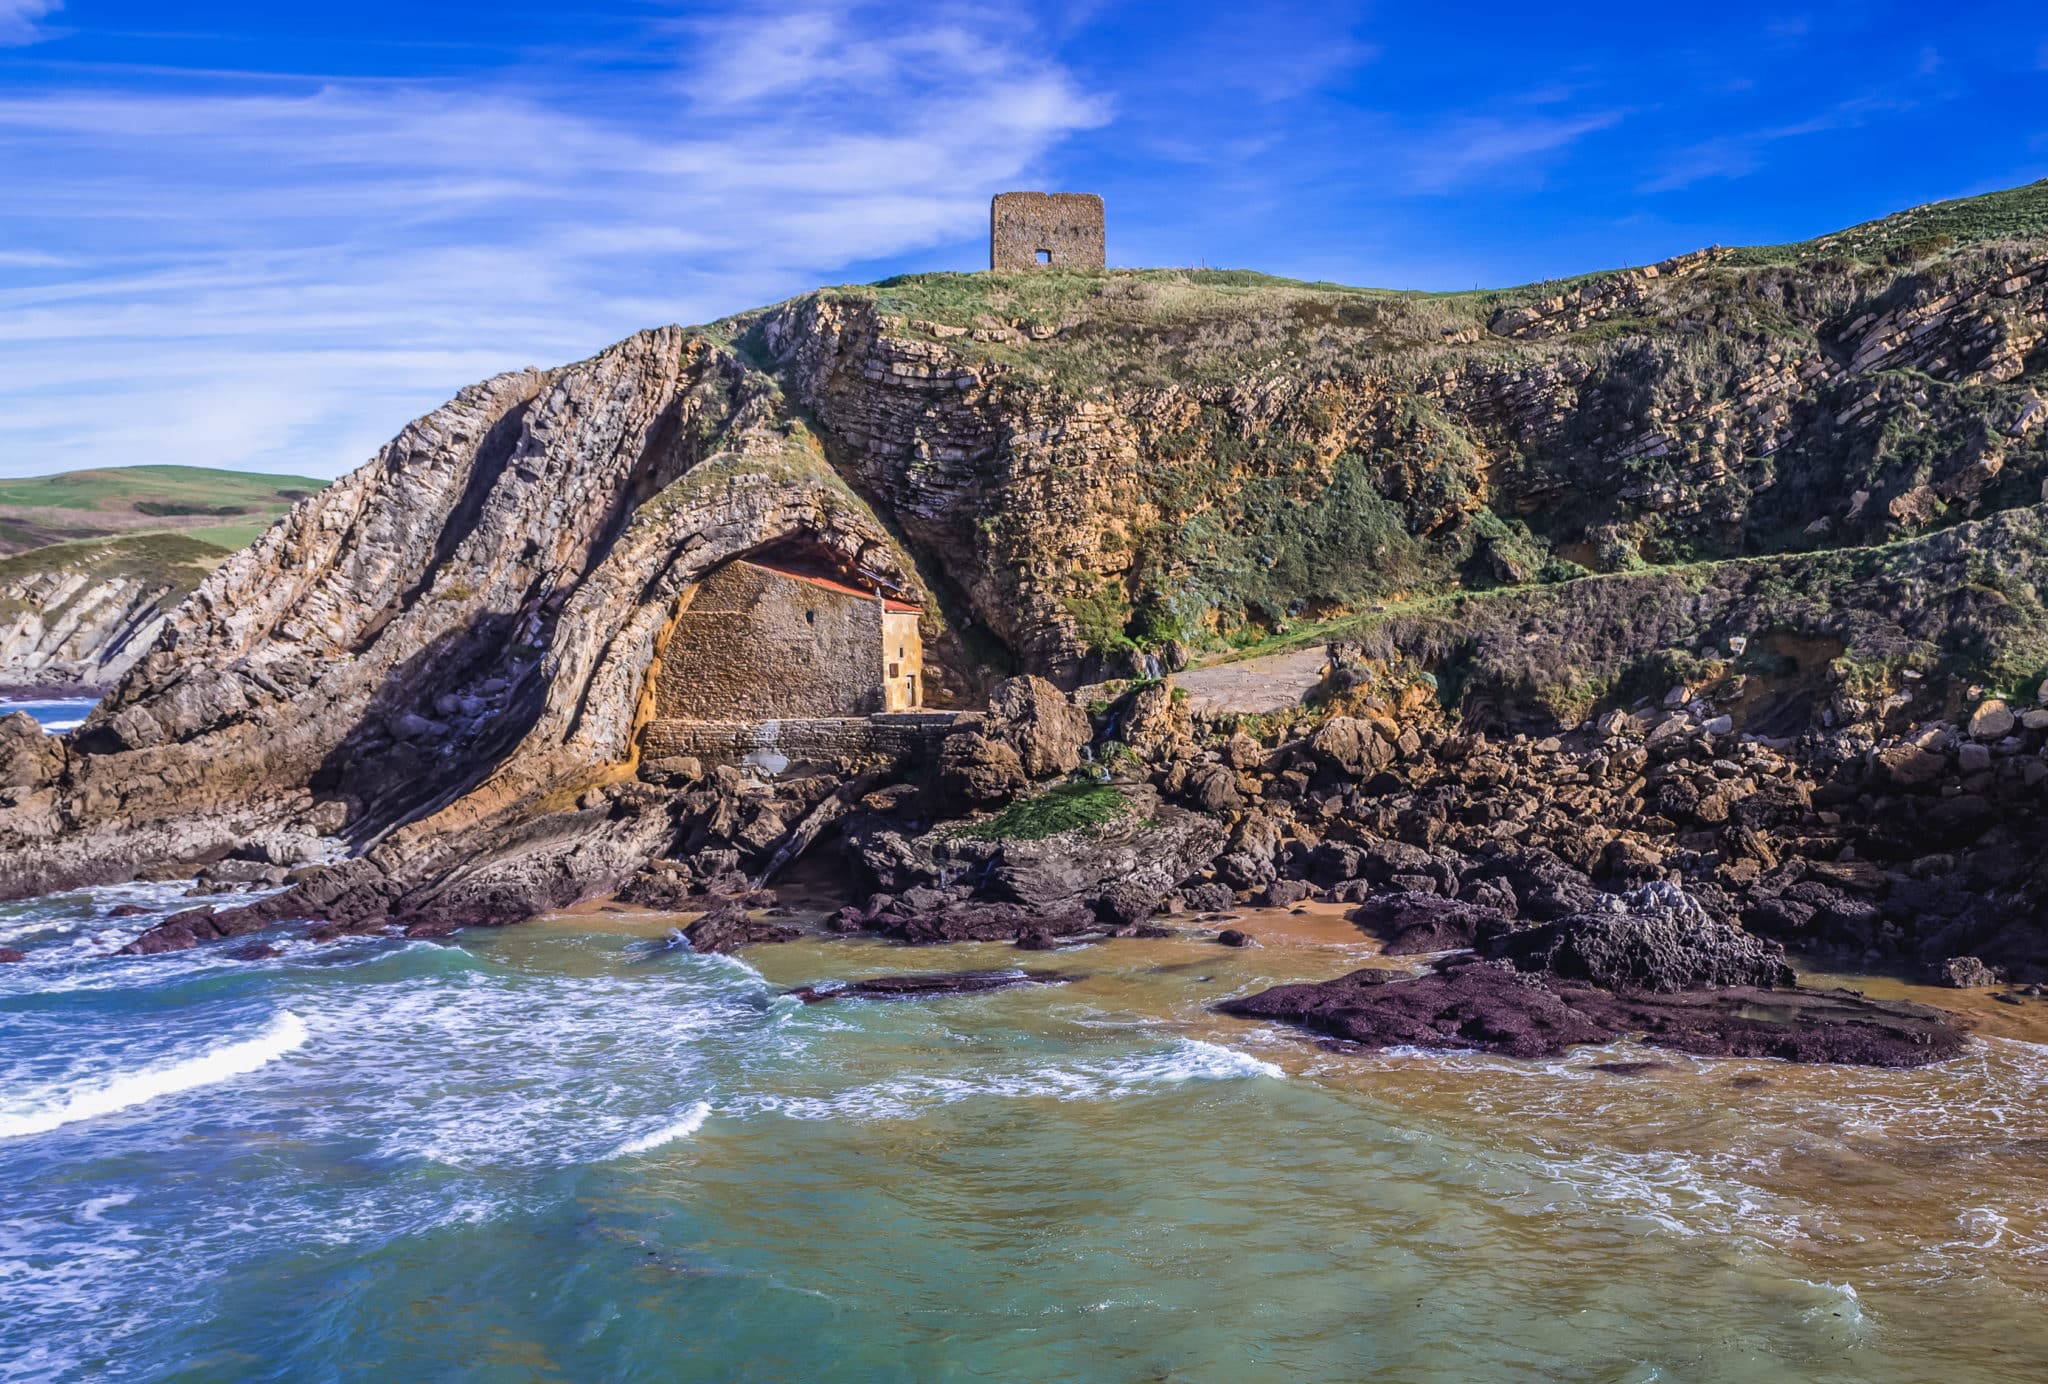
(810, 617)
(894, 671)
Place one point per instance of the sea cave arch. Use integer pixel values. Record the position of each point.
(604, 691)
(789, 629)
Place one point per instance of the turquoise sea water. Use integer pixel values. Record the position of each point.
(573, 1150)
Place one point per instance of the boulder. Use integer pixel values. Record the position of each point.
(1242, 753)
(1148, 722)
(1213, 789)
(1545, 888)
(1907, 767)
(1385, 859)
(1231, 937)
(728, 927)
(674, 770)
(1653, 939)
(1413, 923)
(1036, 720)
(1130, 902)
(1334, 862)
(1992, 720)
(977, 771)
(1284, 893)
(28, 757)
(1967, 973)
(1350, 746)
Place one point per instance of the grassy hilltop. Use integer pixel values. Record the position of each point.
(223, 509)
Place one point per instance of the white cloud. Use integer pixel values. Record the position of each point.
(278, 274)
(1737, 156)
(1469, 149)
(18, 19)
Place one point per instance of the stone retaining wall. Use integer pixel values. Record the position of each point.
(797, 745)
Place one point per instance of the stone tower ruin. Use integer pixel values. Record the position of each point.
(1045, 230)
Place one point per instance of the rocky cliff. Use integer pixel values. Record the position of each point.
(444, 657)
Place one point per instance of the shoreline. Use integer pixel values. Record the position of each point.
(1314, 942)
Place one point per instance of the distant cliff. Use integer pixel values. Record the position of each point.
(92, 562)
(81, 614)
(448, 649)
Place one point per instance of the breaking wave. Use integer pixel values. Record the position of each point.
(683, 1127)
(54, 1107)
(907, 1097)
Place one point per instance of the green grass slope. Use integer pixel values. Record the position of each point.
(159, 491)
(1920, 233)
(224, 510)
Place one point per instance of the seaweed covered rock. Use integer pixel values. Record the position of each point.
(1470, 1003)
(927, 985)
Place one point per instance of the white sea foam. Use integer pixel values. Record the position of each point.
(1194, 1060)
(96, 1208)
(53, 1107)
(906, 1097)
(690, 1121)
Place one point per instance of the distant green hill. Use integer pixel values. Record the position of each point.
(224, 509)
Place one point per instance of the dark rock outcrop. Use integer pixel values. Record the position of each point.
(1489, 1005)
(729, 927)
(928, 985)
(1655, 939)
(1411, 924)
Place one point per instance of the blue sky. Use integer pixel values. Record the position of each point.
(263, 236)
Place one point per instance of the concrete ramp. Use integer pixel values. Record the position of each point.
(1253, 686)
